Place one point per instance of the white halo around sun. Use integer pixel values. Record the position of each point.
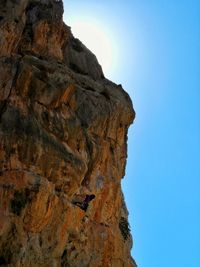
(99, 41)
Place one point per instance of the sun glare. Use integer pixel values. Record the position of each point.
(99, 41)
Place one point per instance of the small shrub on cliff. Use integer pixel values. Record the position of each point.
(124, 228)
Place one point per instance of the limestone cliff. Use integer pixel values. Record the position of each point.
(63, 134)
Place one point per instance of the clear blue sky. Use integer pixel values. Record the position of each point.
(159, 66)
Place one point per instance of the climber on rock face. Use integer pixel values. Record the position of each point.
(88, 198)
(85, 203)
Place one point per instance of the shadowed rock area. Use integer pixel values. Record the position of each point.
(63, 146)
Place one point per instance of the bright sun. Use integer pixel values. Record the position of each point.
(98, 41)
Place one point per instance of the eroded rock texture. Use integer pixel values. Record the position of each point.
(63, 131)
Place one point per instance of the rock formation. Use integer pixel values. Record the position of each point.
(63, 134)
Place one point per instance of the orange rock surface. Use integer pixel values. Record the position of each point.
(63, 135)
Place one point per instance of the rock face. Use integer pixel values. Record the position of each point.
(63, 133)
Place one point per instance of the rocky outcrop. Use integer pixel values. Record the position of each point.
(63, 134)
